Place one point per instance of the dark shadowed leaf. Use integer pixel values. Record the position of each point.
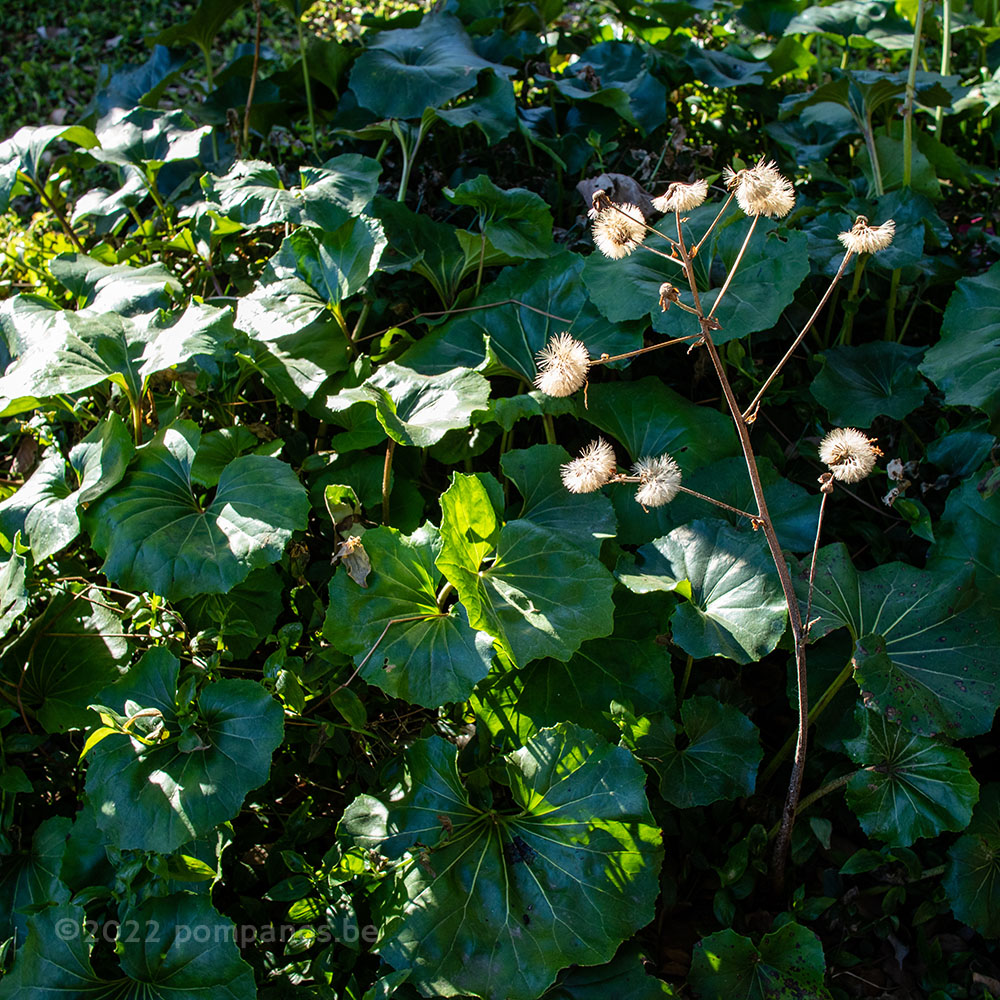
(970, 331)
(584, 519)
(155, 798)
(404, 71)
(787, 965)
(714, 754)
(68, 654)
(972, 877)
(180, 947)
(927, 650)
(858, 384)
(908, 786)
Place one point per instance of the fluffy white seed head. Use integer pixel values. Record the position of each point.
(681, 197)
(761, 189)
(659, 480)
(594, 467)
(863, 238)
(848, 454)
(619, 230)
(562, 366)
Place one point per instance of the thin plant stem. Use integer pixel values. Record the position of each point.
(550, 429)
(798, 340)
(718, 503)
(911, 91)
(945, 62)
(686, 678)
(387, 479)
(253, 82)
(794, 617)
(46, 200)
(890, 309)
(830, 786)
(736, 264)
(368, 655)
(812, 563)
(479, 270)
(606, 359)
(848, 325)
(305, 79)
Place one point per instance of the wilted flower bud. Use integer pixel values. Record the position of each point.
(659, 479)
(669, 294)
(848, 454)
(619, 230)
(863, 238)
(595, 466)
(562, 366)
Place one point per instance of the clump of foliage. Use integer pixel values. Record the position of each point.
(399, 597)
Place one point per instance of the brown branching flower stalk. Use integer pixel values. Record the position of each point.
(760, 190)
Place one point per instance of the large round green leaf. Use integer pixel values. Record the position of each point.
(252, 192)
(416, 409)
(169, 948)
(965, 538)
(909, 786)
(561, 876)
(156, 533)
(404, 71)
(928, 650)
(540, 595)
(963, 362)
(787, 965)
(858, 384)
(735, 606)
(972, 878)
(67, 655)
(713, 755)
(426, 655)
(43, 509)
(13, 597)
(549, 298)
(31, 877)
(155, 798)
(517, 222)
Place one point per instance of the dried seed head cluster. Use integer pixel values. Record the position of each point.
(761, 189)
(594, 467)
(619, 230)
(848, 454)
(681, 197)
(562, 366)
(863, 238)
(659, 479)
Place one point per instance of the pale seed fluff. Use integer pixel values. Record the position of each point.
(762, 190)
(594, 467)
(619, 230)
(562, 366)
(681, 197)
(848, 454)
(863, 238)
(659, 480)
